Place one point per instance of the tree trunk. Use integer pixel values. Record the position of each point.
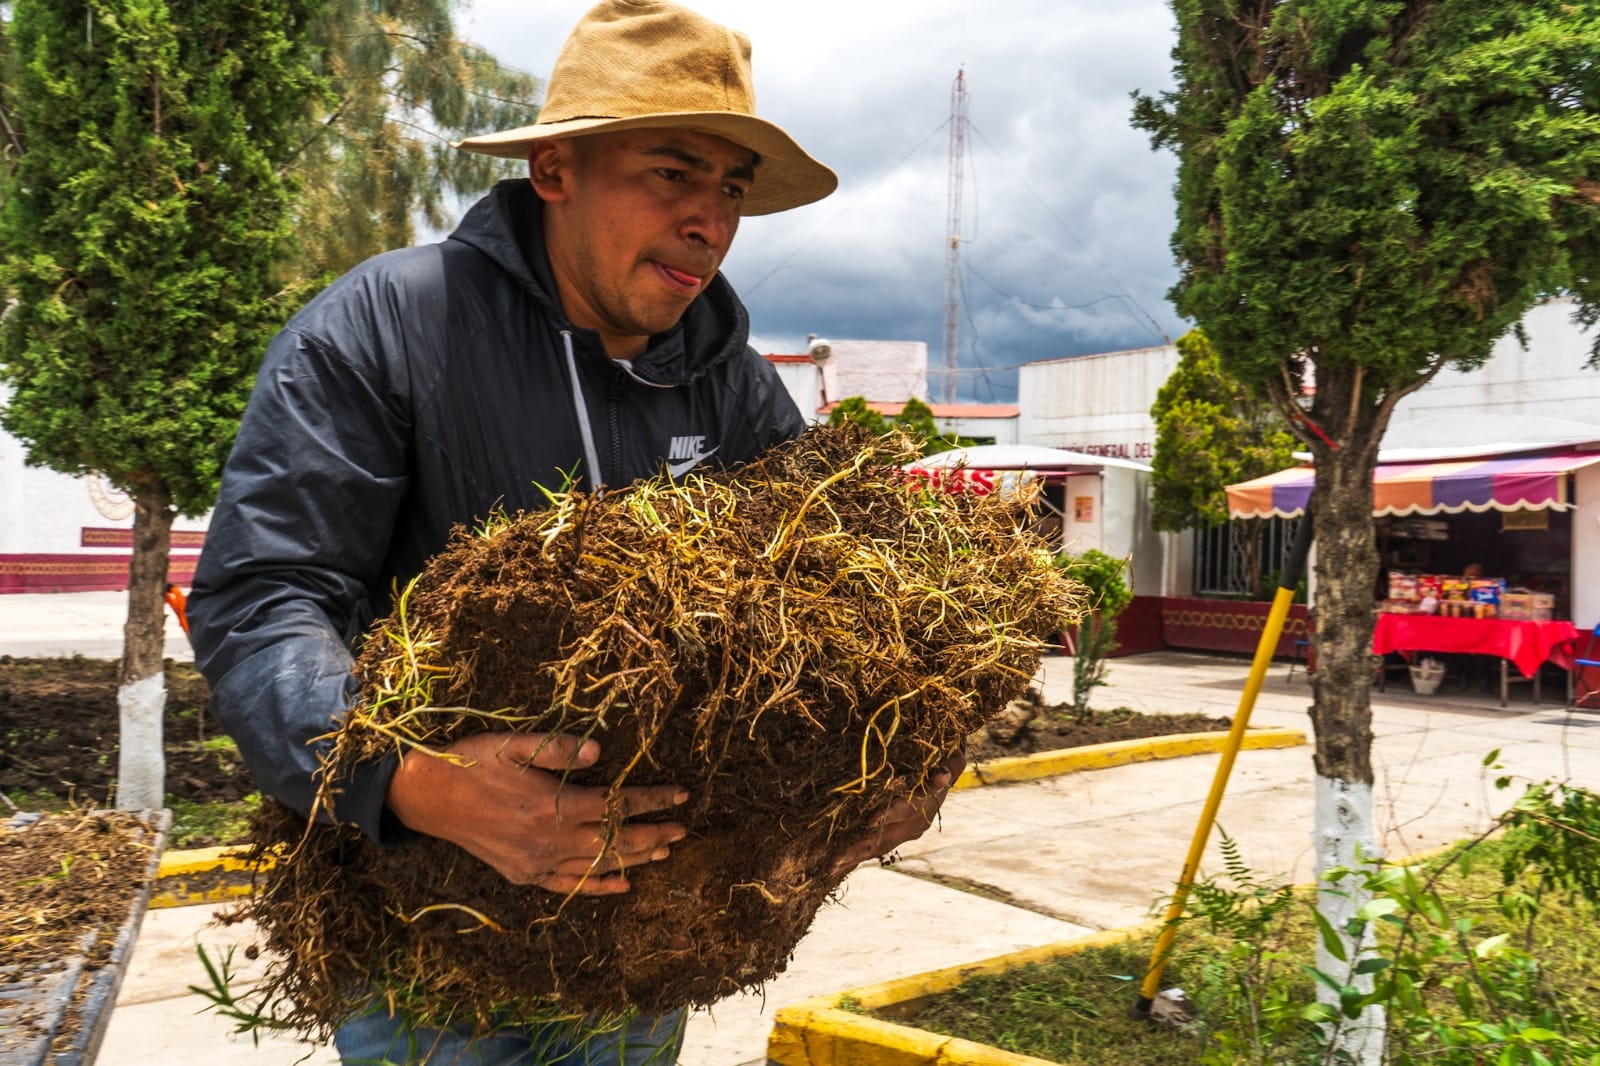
(1251, 550)
(142, 686)
(1346, 573)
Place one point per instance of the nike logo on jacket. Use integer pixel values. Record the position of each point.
(686, 453)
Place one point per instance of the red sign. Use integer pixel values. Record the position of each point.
(956, 479)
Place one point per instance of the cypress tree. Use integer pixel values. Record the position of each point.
(146, 213)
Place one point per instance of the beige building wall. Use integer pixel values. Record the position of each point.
(1545, 380)
(1097, 404)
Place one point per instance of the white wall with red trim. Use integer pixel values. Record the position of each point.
(61, 533)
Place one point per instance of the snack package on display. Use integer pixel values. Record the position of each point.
(1517, 604)
(1402, 586)
(1487, 589)
(1544, 607)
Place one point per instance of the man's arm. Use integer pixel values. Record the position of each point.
(292, 561)
(290, 577)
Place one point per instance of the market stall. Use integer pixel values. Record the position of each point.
(1527, 645)
(1508, 568)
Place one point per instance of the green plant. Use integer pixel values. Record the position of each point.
(1456, 986)
(204, 824)
(1109, 594)
(1268, 588)
(915, 419)
(222, 980)
(1258, 988)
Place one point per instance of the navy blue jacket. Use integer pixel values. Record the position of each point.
(418, 392)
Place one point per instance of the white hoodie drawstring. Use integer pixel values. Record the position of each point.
(591, 457)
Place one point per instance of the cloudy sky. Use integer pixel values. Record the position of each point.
(1066, 211)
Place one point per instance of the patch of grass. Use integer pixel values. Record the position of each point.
(1077, 1009)
(194, 825)
(46, 801)
(207, 825)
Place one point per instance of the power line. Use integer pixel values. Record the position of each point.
(1041, 307)
(976, 354)
(1070, 232)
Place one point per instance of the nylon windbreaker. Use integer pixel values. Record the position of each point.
(418, 392)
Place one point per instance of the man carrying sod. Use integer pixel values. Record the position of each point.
(574, 324)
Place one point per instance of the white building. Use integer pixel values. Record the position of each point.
(1097, 404)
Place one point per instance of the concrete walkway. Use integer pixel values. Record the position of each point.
(1011, 866)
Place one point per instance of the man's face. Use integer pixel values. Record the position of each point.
(636, 224)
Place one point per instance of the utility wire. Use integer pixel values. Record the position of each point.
(1039, 307)
(966, 303)
(1084, 244)
(840, 213)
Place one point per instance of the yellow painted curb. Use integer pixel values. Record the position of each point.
(818, 1032)
(204, 875)
(1117, 753)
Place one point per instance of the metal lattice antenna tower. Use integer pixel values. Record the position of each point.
(952, 228)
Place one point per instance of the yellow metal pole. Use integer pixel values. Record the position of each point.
(1219, 781)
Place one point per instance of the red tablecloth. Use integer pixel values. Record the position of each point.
(1527, 644)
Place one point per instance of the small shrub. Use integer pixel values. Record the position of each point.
(1106, 577)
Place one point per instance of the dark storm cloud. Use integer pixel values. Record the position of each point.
(1066, 210)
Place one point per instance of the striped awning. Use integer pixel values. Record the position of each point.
(1502, 483)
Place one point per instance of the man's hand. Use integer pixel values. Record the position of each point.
(502, 804)
(906, 819)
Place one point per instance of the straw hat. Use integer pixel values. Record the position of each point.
(650, 64)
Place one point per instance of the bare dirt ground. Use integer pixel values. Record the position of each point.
(58, 735)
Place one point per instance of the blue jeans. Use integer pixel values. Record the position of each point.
(377, 1038)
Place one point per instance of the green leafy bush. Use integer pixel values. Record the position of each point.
(1109, 594)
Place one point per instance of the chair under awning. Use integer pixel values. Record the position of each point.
(1498, 483)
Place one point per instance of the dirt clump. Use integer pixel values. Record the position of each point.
(1093, 727)
(1028, 725)
(796, 642)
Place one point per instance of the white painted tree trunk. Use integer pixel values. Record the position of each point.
(141, 764)
(1344, 837)
(142, 691)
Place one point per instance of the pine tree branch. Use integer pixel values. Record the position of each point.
(299, 153)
